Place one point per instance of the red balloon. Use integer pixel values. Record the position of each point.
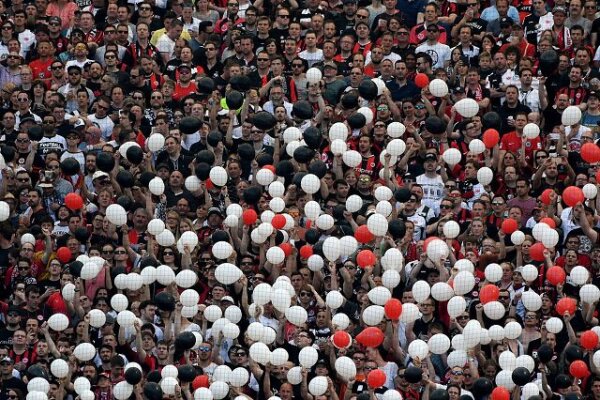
(579, 369)
(556, 275)
(421, 80)
(509, 225)
(500, 393)
(269, 167)
(589, 340)
(590, 153)
(370, 337)
(287, 249)
(566, 305)
(376, 378)
(209, 184)
(549, 221)
(536, 251)
(341, 339)
(366, 258)
(363, 234)
(200, 381)
(393, 309)
(491, 137)
(278, 221)
(489, 293)
(64, 255)
(306, 251)
(545, 196)
(249, 216)
(74, 201)
(573, 195)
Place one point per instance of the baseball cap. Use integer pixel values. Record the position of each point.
(559, 9)
(7, 360)
(9, 196)
(79, 123)
(594, 94)
(215, 210)
(55, 20)
(16, 309)
(72, 134)
(505, 22)
(28, 118)
(227, 298)
(430, 157)
(99, 174)
(330, 64)
(458, 89)
(184, 66)
(161, 166)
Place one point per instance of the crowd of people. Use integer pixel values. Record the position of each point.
(283, 199)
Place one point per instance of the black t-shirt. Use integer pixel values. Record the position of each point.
(48, 284)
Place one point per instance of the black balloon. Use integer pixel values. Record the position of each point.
(312, 137)
(397, 228)
(214, 138)
(318, 168)
(297, 179)
(278, 237)
(154, 376)
(125, 201)
(562, 381)
(482, 387)
(205, 156)
(338, 212)
(146, 177)
(186, 373)
(205, 85)
(349, 101)
(105, 162)
(37, 371)
(573, 353)
(264, 120)
(246, 152)
(241, 83)
(402, 195)
(569, 396)
(81, 234)
(548, 62)
(302, 110)
(491, 120)
(9, 153)
(234, 100)
(133, 375)
(220, 236)
(165, 301)
(312, 236)
(135, 154)
(203, 171)
(303, 154)
(252, 194)
(35, 133)
(284, 168)
(318, 248)
(75, 268)
(357, 121)
(368, 90)
(413, 374)
(189, 125)
(185, 340)
(545, 353)
(521, 376)
(125, 179)
(70, 166)
(152, 391)
(435, 125)
(264, 159)
(439, 394)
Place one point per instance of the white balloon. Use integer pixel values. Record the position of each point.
(410, 313)
(485, 175)
(340, 320)
(554, 325)
(308, 357)
(472, 333)
(494, 310)
(590, 191)
(59, 368)
(4, 211)
(596, 358)
(325, 222)
(279, 356)
(507, 360)
(338, 147)
(231, 331)
(421, 291)
(379, 295)
(219, 390)
(439, 343)
(504, 378)
(372, 315)
(348, 245)
(264, 176)
(530, 389)
(290, 134)
(345, 367)
(156, 186)
(222, 250)
(318, 385)
(512, 330)
(438, 88)
(155, 142)
(156, 226)
(218, 176)
(437, 249)
(476, 147)
(451, 229)
(315, 262)
(392, 394)
(119, 302)
(294, 375)
(531, 131)
(116, 214)
(441, 291)
(353, 203)
(296, 315)
(122, 390)
(396, 129)
(418, 349)
(314, 75)
(165, 275)
(281, 299)
(367, 112)
(38, 385)
(531, 300)
(260, 353)
(392, 259)
(277, 204)
(457, 358)
(352, 158)
(579, 275)
(396, 147)
(126, 318)
(589, 293)
(383, 193)
(338, 131)
(452, 156)
(84, 352)
(526, 361)
(377, 224)
(334, 299)
(517, 238)
(233, 314)
(27, 238)
(213, 313)
(467, 107)
(169, 371)
(193, 183)
(331, 248)
(493, 273)
(464, 265)
(239, 377)
(571, 116)
(464, 282)
(456, 306)
(529, 273)
(255, 331)
(384, 208)
(275, 255)
(58, 322)
(203, 394)
(228, 274)
(312, 209)
(68, 292)
(276, 189)
(310, 183)
(496, 332)
(190, 298)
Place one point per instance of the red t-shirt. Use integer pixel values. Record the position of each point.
(512, 142)
(181, 92)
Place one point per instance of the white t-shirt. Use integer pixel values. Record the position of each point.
(105, 124)
(439, 53)
(433, 191)
(311, 57)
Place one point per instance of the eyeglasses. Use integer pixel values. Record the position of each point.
(102, 107)
(457, 373)
(445, 207)
(23, 268)
(23, 100)
(156, 97)
(13, 314)
(74, 73)
(432, 30)
(6, 28)
(497, 203)
(139, 98)
(120, 252)
(587, 138)
(305, 294)
(530, 317)
(283, 16)
(419, 107)
(12, 396)
(22, 140)
(370, 368)
(23, 180)
(362, 16)
(122, 31)
(261, 59)
(297, 65)
(57, 67)
(412, 201)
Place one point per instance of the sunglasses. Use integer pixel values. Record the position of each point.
(304, 294)
(204, 348)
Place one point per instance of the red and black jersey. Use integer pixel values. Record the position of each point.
(576, 95)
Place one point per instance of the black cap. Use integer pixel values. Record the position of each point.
(506, 22)
(203, 25)
(458, 89)
(594, 94)
(15, 309)
(430, 157)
